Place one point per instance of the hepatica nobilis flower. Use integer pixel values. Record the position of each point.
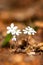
(28, 30)
(14, 31)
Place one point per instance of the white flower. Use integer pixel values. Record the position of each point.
(14, 38)
(31, 53)
(12, 29)
(28, 30)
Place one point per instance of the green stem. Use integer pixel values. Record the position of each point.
(6, 40)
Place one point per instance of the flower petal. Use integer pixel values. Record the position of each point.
(33, 33)
(18, 32)
(12, 25)
(13, 33)
(26, 28)
(25, 32)
(15, 27)
(8, 28)
(8, 32)
(29, 33)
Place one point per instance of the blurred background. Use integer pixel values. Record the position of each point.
(22, 13)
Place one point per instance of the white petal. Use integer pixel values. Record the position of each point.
(32, 33)
(29, 27)
(29, 33)
(8, 28)
(25, 32)
(17, 34)
(35, 32)
(15, 27)
(12, 25)
(18, 31)
(8, 32)
(26, 28)
(13, 33)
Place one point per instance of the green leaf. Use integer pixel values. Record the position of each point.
(6, 40)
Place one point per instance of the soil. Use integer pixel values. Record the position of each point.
(8, 58)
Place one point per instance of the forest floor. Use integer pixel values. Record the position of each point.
(7, 58)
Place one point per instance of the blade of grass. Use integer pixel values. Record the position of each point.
(6, 40)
